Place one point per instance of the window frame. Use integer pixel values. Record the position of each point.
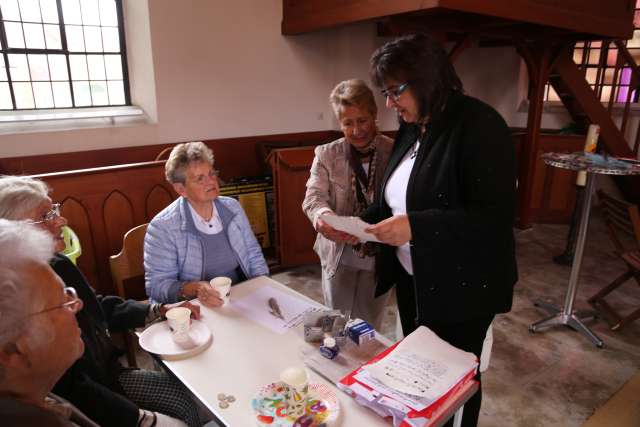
(618, 83)
(17, 114)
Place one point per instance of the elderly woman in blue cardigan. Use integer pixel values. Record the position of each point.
(199, 236)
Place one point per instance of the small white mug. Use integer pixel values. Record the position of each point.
(179, 319)
(222, 284)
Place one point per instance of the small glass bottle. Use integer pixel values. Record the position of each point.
(329, 348)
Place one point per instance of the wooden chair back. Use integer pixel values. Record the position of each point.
(623, 222)
(127, 267)
(127, 271)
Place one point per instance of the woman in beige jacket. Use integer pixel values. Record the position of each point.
(344, 178)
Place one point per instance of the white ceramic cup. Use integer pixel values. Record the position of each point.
(296, 380)
(179, 319)
(223, 286)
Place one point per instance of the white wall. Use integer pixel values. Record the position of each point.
(221, 69)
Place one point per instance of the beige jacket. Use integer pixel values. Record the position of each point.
(329, 190)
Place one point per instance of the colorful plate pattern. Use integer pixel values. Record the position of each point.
(323, 407)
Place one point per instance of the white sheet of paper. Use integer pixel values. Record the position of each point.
(423, 365)
(352, 225)
(255, 307)
(413, 402)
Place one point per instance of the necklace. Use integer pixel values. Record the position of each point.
(209, 221)
(205, 222)
(414, 153)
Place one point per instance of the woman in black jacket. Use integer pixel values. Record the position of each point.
(446, 206)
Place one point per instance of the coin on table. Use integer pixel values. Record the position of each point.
(222, 396)
(223, 404)
(231, 399)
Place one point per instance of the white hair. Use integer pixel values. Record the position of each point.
(20, 194)
(20, 244)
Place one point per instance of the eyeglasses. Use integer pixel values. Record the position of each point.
(50, 215)
(201, 179)
(395, 93)
(72, 304)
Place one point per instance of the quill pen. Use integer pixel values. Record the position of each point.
(275, 308)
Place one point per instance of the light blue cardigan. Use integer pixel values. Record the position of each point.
(173, 255)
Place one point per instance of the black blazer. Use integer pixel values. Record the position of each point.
(91, 383)
(461, 206)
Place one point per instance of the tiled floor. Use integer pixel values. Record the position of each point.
(554, 377)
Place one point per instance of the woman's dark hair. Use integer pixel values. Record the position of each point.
(422, 62)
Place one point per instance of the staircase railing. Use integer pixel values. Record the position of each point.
(619, 90)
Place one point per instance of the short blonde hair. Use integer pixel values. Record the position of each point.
(180, 158)
(352, 93)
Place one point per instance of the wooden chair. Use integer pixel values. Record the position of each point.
(127, 271)
(623, 223)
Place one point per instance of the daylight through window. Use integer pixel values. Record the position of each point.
(62, 54)
(605, 71)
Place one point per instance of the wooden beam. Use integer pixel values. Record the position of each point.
(580, 16)
(538, 57)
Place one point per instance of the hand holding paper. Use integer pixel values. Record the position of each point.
(333, 234)
(395, 231)
(351, 225)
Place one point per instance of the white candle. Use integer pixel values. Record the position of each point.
(592, 139)
(590, 144)
(294, 376)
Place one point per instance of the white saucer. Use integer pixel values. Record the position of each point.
(157, 339)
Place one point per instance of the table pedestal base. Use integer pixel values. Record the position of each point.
(573, 320)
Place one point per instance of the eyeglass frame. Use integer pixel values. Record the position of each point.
(51, 215)
(396, 93)
(213, 174)
(69, 305)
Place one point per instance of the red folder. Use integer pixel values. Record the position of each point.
(431, 412)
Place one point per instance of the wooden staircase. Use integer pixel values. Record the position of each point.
(585, 106)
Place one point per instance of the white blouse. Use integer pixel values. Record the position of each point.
(395, 194)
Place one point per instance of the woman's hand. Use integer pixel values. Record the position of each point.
(394, 231)
(195, 309)
(208, 296)
(332, 234)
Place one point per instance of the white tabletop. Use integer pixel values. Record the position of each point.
(244, 356)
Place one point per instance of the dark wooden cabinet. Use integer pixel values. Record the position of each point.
(295, 234)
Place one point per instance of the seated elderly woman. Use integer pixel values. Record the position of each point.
(39, 334)
(127, 397)
(199, 236)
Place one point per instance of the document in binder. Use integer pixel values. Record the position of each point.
(412, 380)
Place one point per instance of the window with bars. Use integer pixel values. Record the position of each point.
(605, 71)
(62, 54)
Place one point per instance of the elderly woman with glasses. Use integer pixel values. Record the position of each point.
(127, 397)
(199, 236)
(447, 202)
(39, 334)
(345, 175)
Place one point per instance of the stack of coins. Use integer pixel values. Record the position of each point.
(225, 400)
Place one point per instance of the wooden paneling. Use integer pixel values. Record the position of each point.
(234, 157)
(102, 204)
(553, 190)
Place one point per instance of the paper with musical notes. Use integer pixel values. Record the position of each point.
(423, 365)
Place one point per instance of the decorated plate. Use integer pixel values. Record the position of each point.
(322, 407)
